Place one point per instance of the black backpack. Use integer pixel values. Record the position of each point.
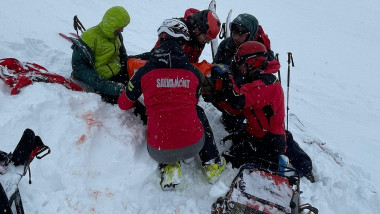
(29, 146)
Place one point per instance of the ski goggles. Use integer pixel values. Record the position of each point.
(239, 60)
(238, 28)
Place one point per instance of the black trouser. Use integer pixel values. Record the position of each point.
(209, 150)
(232, 123)
(249, 149)
(297, 157)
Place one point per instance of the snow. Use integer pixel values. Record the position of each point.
(99, 162)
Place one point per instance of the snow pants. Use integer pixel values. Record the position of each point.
(297, 157)
(249, 149)
(209, 151)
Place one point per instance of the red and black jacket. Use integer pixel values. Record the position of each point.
(260, 99)
(170, 85)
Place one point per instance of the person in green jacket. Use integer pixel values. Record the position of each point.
(99, 59)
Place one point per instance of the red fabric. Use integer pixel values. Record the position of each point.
(272, 67)
(193, 52)
(173, 121)
(18, 74)
(257, 95)
(124, 103)
(263, 38)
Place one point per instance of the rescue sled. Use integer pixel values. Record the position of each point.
(257, 190)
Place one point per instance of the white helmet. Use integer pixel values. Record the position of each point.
(174, 28)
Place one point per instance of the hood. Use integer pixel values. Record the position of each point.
(169, 54)
(273, 67)
(250, 22)
(115, 18)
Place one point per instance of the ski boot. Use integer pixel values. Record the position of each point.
(213, 170)
(170, 175)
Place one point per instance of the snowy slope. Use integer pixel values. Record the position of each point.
(99, 162)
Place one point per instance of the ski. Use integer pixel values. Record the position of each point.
(64, 36)
(228, 21)
(214, 42)
(74, 35)
(67, 37)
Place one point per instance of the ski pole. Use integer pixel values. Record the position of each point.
(290, 59)
(279, 74)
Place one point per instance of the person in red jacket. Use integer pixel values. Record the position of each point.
(260, 99)
(245, 27)
(177, 127)
(203, 27)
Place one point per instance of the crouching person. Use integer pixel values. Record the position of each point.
(177, 127)
(260, 99)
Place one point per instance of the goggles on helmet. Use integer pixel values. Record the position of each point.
(239, 60)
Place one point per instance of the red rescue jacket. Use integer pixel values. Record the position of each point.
(262, 103)
(170, 85)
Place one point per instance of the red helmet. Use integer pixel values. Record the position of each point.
(252, 53)
(207, 22)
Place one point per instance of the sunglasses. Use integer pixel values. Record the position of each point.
(238, 28)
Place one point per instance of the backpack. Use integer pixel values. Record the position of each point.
(256, 190)
(14, 166)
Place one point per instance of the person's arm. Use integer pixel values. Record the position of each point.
(128, 98)
(84, 70)
(230, 91)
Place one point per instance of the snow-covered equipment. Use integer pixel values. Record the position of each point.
(18, 75)
(257, 190)
(14, 166)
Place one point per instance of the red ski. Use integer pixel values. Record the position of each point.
(67, 37)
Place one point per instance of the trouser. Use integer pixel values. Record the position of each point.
(297, 157)
(249, 149)
(232, 123)
(209, 152)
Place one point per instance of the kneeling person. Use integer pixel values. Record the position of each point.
(177, 127)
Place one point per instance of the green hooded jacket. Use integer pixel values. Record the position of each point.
(98, 55)
(104, 44)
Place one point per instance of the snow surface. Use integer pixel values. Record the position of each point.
(99, 162)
